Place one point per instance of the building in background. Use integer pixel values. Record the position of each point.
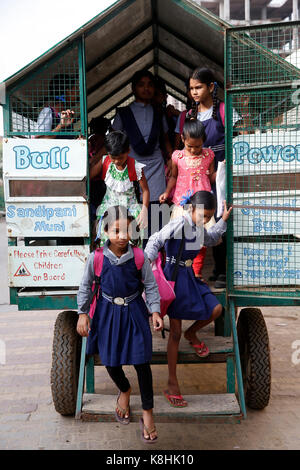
(252, 12)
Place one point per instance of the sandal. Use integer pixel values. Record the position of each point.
(200, 349)
(179, 398)
(119, 408)
(143, 428)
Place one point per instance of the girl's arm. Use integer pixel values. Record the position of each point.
(96, 169)
(213, 235)
(171, 183)
(158, 239)
(212, 172)
(84, 297)
(142, 218)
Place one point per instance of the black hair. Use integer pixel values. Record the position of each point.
(205, 198)
(60, 83)
(193, 128)
(206, 76)
(115, 213)
(116, 142)
(160, 85)
(139, 75)
(99, 125)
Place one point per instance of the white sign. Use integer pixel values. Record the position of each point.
(47, 219)
(276, 152)
(265, 218)
(266, 264)
(44, 158)
(50, 266)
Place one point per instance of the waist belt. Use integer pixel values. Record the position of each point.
(186, 264)
(121, 300)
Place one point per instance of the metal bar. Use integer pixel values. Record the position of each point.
(155, 35)
(81, 378)
(237, 359)
(90, 375)
(230, 372)
(281, 25)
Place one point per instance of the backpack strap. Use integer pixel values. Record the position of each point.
(222, 112)
(98, 263)
(106, 163)
(139, 257)
(131, 169)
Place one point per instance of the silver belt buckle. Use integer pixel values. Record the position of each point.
(119, 301)
(188, 263)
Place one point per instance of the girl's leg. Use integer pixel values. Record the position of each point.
(190, 333)
(144, 375)
(172, 353)
(121, 381)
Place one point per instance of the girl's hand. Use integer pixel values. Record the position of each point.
(142, 218)
(163, 197)
(66, 118)
(83, 325)
(226, 212)
(158, 322)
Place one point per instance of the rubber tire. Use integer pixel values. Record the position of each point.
(254, 350)
(66, 352)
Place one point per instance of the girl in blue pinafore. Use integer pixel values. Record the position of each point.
(210, 111)
(194, 300)
(120, 329)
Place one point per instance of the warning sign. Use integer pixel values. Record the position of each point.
(22, 271)
(44, 266)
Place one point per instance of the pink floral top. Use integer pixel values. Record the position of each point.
(192, 172)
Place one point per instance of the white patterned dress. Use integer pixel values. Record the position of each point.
(120, 191)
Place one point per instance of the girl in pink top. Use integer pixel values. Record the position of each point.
(193, 169)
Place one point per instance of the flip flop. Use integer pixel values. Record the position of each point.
(121, 419)
(148, 431)
(200, 349)
(168, 397)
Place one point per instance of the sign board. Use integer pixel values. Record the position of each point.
(276, 152)
(266, 264)
(37, 266)
(47, 219)
(263, 218)
(44, 158)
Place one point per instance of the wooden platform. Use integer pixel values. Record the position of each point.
(214, 407)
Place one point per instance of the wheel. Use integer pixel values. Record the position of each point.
(65, 363)
(254, 349)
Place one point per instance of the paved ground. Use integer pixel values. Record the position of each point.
(28, 419)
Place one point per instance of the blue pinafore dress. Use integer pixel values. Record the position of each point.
(194, 300)
(120, 334)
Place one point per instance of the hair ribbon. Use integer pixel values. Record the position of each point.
(186, 198)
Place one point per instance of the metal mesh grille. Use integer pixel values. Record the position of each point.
(264, 156)
(36, 104)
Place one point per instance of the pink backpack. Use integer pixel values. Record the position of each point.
(165, 287)
(98, 263)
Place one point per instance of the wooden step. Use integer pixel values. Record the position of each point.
(213, 408)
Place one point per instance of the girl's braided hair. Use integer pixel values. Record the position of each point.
(206, 76)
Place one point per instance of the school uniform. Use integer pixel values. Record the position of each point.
(194, 300)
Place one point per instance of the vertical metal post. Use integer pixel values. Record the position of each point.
(230, 370)
(237, 359)
(247, 11)
(81, 379)
(226, 10)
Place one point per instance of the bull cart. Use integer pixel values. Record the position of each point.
(47, 187)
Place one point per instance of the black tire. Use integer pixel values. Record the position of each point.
(65, 363)
(255, 357)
